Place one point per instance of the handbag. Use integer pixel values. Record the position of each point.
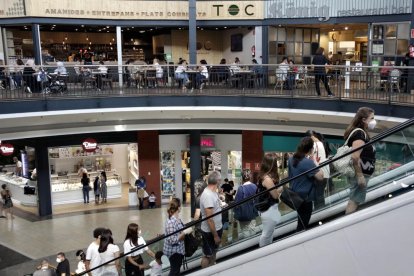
(291, 198)
(344, 165)
(191, 244)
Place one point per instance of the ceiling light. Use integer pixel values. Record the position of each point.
(225, 27)
(107, 31)
(216, 28)
(82, 26)
(132, 27)
(54, 25)
(87, 38)
(107, 27)
(346, 28)
(76, 29)
(142, 31)
(120, 127)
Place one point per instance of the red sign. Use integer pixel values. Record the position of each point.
(412, 33)
(6, 149)
(89, 145)
(207, 141)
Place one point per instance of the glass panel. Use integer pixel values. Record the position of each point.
(298, 60)
(402, 47)
(281, 34)
(272, 48)
(281, 49)
(290, 34)
(272, 33)
(290, 49)
(298, 35)
(315, 35)
(403, 31)
(298, 49)
(307, 35)
(306, 49)
(389, 47)
(390, 31)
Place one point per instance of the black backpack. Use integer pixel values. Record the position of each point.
(191, 244)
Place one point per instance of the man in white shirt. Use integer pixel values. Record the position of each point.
(212, 228)
(19, 168)
(92, 255)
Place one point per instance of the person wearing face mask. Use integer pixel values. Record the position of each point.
(134, 264)
(81, 257)
(300, 162)
(362, 160)
(174, 245)
(44, 270)
(63, 267)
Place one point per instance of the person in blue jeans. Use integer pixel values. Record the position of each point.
(85, 187)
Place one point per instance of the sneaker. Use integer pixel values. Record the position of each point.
(28, 90)
(202, 86)
(331, 95)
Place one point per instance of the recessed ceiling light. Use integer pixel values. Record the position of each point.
(76, 29)
(82, 26)
(142, 31)
(107, 27)
(107, 31)
(132, 27)
(346, 27)
(225, 27)
(216, 28)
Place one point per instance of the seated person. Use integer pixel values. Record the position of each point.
(282, 73)
(60, 70)
(138, 72)
(202, 74)
(384, 72)
(234, 68)
(220, 73)
(180, 73)
(258, 72)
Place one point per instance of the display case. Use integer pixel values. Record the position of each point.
(167, 175)
(16, 186)
(68, 188)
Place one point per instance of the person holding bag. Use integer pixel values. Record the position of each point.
(300, 162)
(363, 160)
(268, 210)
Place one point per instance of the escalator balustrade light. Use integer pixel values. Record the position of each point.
(320, 223)
(390, 195)
(404, 185)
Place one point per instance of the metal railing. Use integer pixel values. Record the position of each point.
(386, 85)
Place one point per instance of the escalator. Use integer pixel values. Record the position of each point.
(375, 237)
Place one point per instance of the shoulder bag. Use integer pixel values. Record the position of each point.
(344, 165)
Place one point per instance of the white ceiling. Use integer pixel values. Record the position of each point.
(41, 124)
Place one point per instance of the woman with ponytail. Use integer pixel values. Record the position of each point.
(300, 162)
(174, 245)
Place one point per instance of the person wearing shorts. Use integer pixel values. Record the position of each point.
(212, 228)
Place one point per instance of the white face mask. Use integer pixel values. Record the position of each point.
(58, 260)
(372, 124)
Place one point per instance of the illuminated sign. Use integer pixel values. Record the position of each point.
(89, 145)
(6, 149)
(206, 141)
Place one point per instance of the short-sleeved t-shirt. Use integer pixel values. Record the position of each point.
(63, 267)
(128, 246)
(156, 268)
(304, 184)
(367, 157)
(92, 255)
(109, 254)
(210, 199)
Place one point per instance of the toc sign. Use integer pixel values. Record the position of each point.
(89, 145)
(6, 149)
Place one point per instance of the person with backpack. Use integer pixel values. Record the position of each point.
(267, 204)
(245, 214)
(174, 245)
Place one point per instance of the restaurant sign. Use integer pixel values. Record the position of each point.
(6, 149)
(138, 10)
(89, 145)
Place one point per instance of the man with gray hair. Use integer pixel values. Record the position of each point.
(211, 229)
(44, 270)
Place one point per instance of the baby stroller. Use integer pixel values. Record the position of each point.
(56, 84)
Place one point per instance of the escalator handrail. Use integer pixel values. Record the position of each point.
(283, 182)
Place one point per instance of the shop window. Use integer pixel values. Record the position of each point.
(403, 31)
(281, 49)
(402, 47)
(290, 48)
(272, 33)
(315, 35)
(307, 35)
(272, 48)
(167, 174)
(389, 47)
(290, 34)
(281, 34)
(298, 49)
(298, 35)
(306, 49)
(390, 31)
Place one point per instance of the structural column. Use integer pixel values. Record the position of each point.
(252, 149)
(192, 31)
(149, 161)
(195, 162)
(36, 44)
(43, 180)
(119, 54)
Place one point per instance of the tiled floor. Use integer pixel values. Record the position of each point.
(71, 227)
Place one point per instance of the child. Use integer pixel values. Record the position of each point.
(151, 200)
(156, 265)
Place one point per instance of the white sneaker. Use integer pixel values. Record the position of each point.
(202, 86)
(28, 90)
